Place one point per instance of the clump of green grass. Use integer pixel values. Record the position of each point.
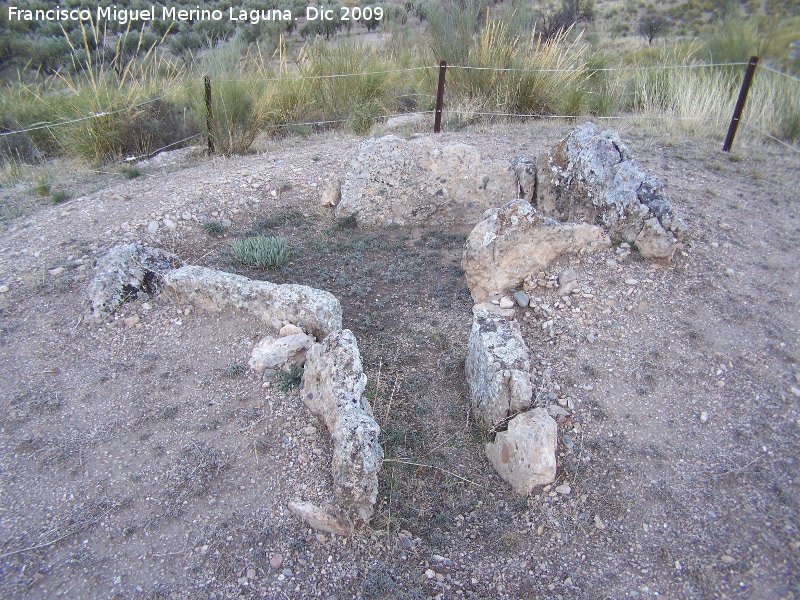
(59, 196)
(131, 172)
(42, 187)
(261, 252)
(214, 227)
(291, 379)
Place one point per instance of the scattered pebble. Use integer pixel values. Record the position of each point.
(564, 489)
(521, 299)
(795, 391)
(728, 560)
(598, 522)
(631, 281)
(4, 288)
(704, 417)
(590, 338)
(152, 227)
(276, 561)
(56, 271)
(506, 302)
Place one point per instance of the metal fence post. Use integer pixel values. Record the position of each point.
(437, 121)
(737, 111)
(209, 116)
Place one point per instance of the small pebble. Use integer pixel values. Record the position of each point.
(286, 572)
(590, 338)
(704, 417)
(276, 561)
(568, 442)
(795, 391)
(152, 227)
(631, 281)
(564, 489)
(506, 302)
(728, 560)
(522, 299)
(56, 271)
(4, 288)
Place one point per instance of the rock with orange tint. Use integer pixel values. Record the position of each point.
(525, 454)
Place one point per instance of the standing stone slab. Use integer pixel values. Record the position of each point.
(525, 454)
(124, 271)
(405, 182)
(315, 311)
(591, 176)
(333, 384)
(515, 241)
(498, 368)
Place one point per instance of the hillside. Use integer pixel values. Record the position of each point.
(141, 459)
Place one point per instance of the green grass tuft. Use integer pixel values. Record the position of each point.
(214, 228)
(59, 196)
(131, 172)
(261, 252)
(291, 379)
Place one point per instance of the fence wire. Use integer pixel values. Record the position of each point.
(618, 117)
(593, 70)
(39, 126)
(770, 136)
(787, 75)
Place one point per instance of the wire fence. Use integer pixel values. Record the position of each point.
(95, 115)
(478, 113)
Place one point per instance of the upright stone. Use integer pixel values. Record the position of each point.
(498, 368)
(333, 384)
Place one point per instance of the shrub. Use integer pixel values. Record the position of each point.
(214, 227)
(131, 172)
(291, 379)
(59, 196)
(261, 252)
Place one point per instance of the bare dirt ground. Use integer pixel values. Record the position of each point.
(138, 460)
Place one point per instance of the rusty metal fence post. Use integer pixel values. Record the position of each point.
(209, 116)
(437, 120)
(737, 111)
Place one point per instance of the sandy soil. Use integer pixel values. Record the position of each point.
(138, 460)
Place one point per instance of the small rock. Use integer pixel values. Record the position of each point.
(795, 391)
(332, 193)
(521, 299)
(286, 572)
(557, 411)
(430, 574)
(729, 272)
(226, 222)
(506, 302)
(276, 561)
(567, 276)
(728, 560)
(170, 224)
(598, 522)
(152, 227)
(56, 271)
(563, 489)
(147, 306)
(4, 288)
(322, 518)
(704, 417)
(610, 262)
(568, 442)
(590, 338)
(289, 329)
(131, 321)
(631, 281)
